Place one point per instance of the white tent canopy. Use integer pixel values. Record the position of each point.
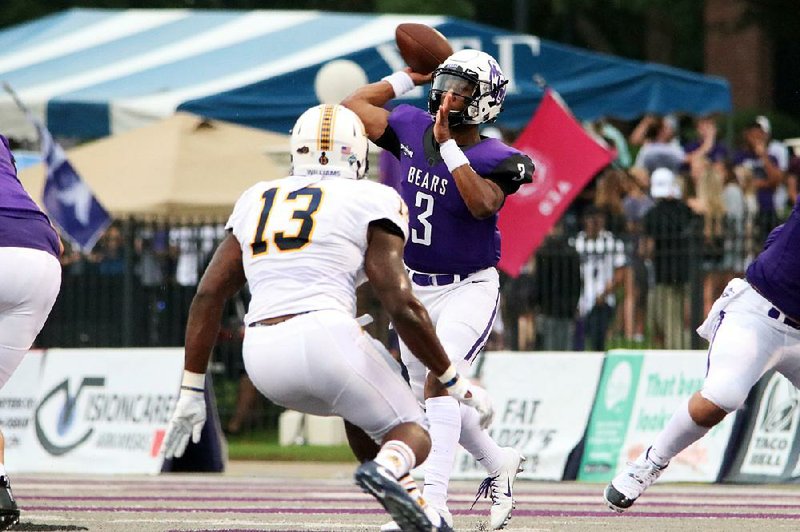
(94, 72)
(180, 165)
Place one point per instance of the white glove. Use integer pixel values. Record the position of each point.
(468, 393)
(479, 400)
(187, 420)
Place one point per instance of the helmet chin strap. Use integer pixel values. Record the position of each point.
(455, 118)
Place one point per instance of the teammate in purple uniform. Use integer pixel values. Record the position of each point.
(753, 327)
(454, 183)
(30, 278)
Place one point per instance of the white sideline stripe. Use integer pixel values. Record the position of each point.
(184, 520)
(106, 30)
(241, 29)
(371, 34)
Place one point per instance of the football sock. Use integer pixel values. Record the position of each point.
(477, 441)
(680, 432)
(397, 457)
(444, 417)
(411, 487)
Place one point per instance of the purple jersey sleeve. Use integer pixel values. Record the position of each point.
(445, 237)
(22, 223)
(776, 270)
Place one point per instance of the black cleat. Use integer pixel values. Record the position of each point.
(631, 482)
(9, 513)
(381, 484)
(616, 500)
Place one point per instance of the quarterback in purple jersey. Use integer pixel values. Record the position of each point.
(30, 278)
(753, 327)
(454, 182)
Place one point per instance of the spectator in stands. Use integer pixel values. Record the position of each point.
(780, 153)
(706, 143)
(151, 249)
(793, 178)
(192, 247)
(602, 258)
(150, 246)
(635, 205)
(766, 174)
(518, 299)
(668, 228)
(606, 133)
(608, 198)
(735, 206)
(109, 254)
(660, 146)
(556, 290)
(72, 260)
(776, 149)
(706, 200)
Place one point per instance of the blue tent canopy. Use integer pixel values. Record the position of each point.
(93, 72)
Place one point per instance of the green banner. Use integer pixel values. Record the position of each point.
(610, 415)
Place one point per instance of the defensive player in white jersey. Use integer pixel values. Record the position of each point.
(455, 183)
(303, 244)
(753, 327)
(30, 278)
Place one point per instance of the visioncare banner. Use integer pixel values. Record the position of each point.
(90, 410)
(638, 393)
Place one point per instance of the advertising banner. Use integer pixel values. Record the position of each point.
(17, 404)
(551, 139)
(769, 447)
(91, 410)
(542, 403)
(638, 393)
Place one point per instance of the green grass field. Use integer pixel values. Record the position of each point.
(264, 446)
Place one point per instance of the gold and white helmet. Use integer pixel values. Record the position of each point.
(329, 141)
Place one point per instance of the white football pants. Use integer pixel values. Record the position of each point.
(323, 363)
(463, 314)
(29, 283)
(748, 343)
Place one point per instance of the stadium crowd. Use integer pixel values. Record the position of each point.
(641, 254)
(636, 260)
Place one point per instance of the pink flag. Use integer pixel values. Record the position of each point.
(566, 158)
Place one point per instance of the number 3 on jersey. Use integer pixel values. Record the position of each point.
(279, 237)
(424, 238)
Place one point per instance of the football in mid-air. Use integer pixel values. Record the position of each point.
(423, 48)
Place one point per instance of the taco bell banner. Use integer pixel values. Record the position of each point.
(770, 445)
(566, 158)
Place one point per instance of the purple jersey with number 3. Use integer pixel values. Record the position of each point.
(22, 223)
(776, 270)
(445, 237)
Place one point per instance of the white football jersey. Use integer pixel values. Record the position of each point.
(303, 241)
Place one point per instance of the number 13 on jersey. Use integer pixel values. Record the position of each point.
(302, 217)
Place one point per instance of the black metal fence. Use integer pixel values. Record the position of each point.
(135, 288)
(647, 285)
